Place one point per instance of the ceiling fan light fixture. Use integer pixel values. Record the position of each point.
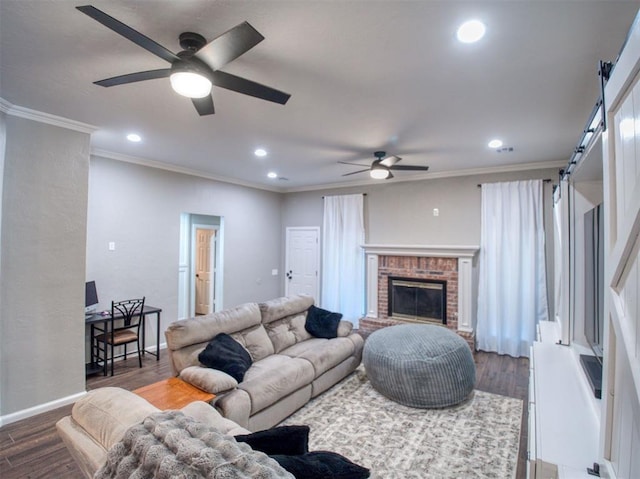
(379, 173)
(190, 84)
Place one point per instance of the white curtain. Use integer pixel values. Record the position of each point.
(343, 257)
(512, 291)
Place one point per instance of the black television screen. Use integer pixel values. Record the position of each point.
(594, 278)
(90, 295)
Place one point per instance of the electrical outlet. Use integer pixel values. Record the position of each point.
(274, 272)
(436, 212)
(112, 245)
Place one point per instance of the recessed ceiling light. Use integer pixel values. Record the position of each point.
(495, 144)
(272, 175)
(134, 137)
(260, 152)
(471, 31)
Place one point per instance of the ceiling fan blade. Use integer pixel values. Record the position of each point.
(248, 87)
(229, 46)
(135, 77)
(129, 33)
(390, 176)
(348, 163)
(204, 105)
(354, 172)
(390, 160)
(408, 168)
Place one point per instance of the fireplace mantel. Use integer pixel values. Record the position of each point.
(465, 251)
(464, 254)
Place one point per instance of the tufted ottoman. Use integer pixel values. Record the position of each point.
(420, 365)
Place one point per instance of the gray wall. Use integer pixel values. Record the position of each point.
(44, 208)
(139, 209)
(402, 212)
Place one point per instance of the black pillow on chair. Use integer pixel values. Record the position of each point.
(289, 440)
(321, 465)
(322, 323)
(226, 354)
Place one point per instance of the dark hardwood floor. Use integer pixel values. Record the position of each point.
(31, 448)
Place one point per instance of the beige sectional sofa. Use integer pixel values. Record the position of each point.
(289, 365)
(100, 418)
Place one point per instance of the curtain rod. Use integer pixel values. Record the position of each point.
(363, 194)
(546, 180)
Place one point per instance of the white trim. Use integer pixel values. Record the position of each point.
(462, 251)
(39, 409)
(372, 285)
(465, 282)
(41, 117)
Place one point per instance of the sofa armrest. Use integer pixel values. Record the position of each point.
(88, 454)
(210, 416)
(207, 379)
(344, 328)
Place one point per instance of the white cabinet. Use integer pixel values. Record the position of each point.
(563, 414)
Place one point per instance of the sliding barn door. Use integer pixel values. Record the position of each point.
(621, 409)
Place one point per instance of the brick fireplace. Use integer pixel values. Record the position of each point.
(451, 267)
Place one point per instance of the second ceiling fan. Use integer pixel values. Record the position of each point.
(195, 69)
(382, 166)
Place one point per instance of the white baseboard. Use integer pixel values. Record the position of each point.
(39, 409)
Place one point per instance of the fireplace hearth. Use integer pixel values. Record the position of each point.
(415, 299)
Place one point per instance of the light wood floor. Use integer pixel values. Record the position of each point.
(31, 448)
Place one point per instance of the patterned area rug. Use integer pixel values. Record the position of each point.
(476, 439)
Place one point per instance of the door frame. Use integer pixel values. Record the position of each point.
(289, 230)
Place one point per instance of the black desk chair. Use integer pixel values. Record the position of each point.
(129, 312)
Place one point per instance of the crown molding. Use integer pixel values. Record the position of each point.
(27, 113)
(437, 175)
(110, 155)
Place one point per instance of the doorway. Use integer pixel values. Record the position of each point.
(302, 262)
(201, 265)
(204, 259)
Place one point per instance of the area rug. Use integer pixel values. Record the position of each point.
(476, 439)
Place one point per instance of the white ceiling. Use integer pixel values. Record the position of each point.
(363, 75)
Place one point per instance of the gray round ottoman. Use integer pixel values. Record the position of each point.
(420, 365)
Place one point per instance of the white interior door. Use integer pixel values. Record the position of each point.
(302, 261)
(203, 270)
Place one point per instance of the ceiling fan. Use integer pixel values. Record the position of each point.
(195, 69)
(381, 167)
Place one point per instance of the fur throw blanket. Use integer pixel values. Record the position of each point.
(169, 444)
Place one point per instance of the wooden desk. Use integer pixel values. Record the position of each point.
(92, 367)
(173, 393)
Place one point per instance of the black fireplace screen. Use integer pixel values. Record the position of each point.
(418, 299)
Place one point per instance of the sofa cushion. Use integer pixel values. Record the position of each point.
(256, 341)
(290, 440)
(322, 323)
(107, 413)
(282, 307)
(323, 354)
(201, 329)
(226, 354)
(210, 380)
(273, 378)
(287, 331)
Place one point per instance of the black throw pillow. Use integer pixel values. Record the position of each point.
(322, 323)
(321, 465)
(226, 354)
(289, 440)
